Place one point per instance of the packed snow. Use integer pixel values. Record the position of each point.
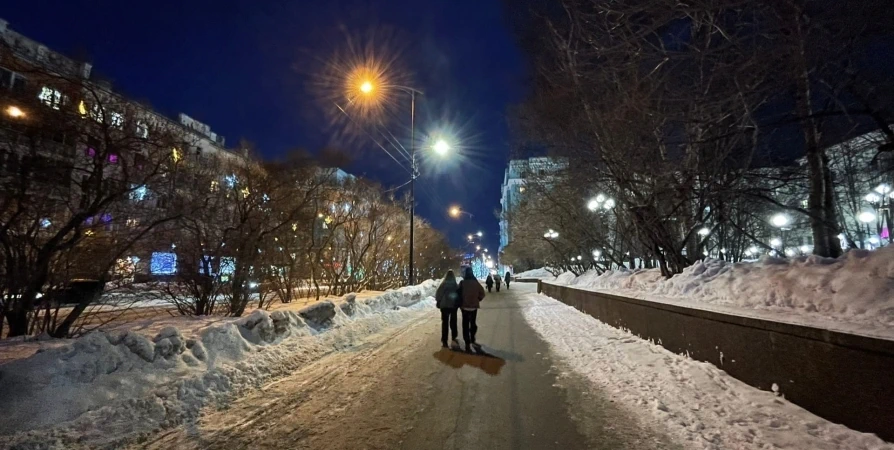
(541, 273)
(699, 405)
(854, 293)
(108, 387)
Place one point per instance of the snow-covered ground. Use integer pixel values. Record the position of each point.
(541, 273)
(854, 293)
(698, 404)
(105, 386)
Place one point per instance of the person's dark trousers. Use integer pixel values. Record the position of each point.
(448, 316)
(470, 326)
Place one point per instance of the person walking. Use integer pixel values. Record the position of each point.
(447, 300)
(470, 293)
(489, 281)
(507, 278)
(497, 282)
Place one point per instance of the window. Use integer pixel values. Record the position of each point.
(50, 97)
(138, 193)
(90, 152)
(176, 156)
(215, 186)
(142, 130)
(96, 113)
(163, 263)
(82, 108)
(113, 158)
(132, 223)
(117, 119)
(230, 180)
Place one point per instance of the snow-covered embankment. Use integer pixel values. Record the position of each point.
(108, 387)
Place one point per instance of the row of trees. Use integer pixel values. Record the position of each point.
(93, 185)
(668, 107)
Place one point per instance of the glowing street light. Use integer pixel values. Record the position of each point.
(441, 147)
(779, 220)
(704, 231)
(366, 87)
(866, 216)
(776, 242)
(479, 234)
(15, 112)
(872, 198)
(551, 234)
(455, 211)
(477, 247)
(883, 189)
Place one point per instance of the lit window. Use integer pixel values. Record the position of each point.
(96, 113)
(139, 193)
(142, 130)
(131, 223)
(113, 158)
(117, 119)
(230, 180)
(245, 192)
(82, 108)
(90, 152)
(215, 186)
(163, 263)
(45, 223)
(176, 156)
(227, 265)
(50, 97)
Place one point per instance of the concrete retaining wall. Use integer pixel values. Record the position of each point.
(845, 378)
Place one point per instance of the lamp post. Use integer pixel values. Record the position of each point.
(455, 211)
(781, 221)
(368, 88)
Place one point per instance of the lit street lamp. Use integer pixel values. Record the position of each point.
(455, 211)
(551, 234)
(441, 147)
(15, 112)
(782, 222)
(367, 88)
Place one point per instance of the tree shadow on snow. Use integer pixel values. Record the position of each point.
(486, 362)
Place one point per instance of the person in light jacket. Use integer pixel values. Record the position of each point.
(447, 300)
(470, 293)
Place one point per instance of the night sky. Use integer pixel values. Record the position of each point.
(246, 67)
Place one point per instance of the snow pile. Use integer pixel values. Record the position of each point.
(699, 405)
(854, 293)
(108, 387)
(541, 273)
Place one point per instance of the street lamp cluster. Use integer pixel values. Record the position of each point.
(600, 202)
(551, 234)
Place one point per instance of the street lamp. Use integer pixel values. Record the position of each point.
(15, 112)
(779, 220)
(455, 211)
(441, 147)
(866, 216)
(479, 234)
(367, 88)
(551, 234)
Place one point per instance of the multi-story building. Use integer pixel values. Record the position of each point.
(519, 173)
(63, 90)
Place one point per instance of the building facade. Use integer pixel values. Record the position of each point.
(519, 173)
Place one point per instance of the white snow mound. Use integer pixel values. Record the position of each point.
(855, 291)
(107, 387)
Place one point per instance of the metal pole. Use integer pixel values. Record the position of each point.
(412, 180)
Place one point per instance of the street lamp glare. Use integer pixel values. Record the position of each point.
(366, 87)
(480, 234)
(779, 220)
(454, 211)
(872, 198)
(593, 205)
(866, 217)
(15, 112)
(441, 147)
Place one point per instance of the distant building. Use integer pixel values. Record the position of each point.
(519, 173)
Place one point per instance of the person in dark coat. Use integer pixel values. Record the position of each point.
(507, 278)
(489, 282)
(470, 293)
(497, 282)
(447, 300)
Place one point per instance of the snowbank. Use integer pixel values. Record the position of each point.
(541, 273)
(854, 293)
(110, 386)
(699, 405)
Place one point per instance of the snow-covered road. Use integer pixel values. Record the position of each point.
(400, 390)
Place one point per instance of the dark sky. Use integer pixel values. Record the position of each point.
(243, 67)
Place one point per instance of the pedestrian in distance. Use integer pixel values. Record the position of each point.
(470, 293)
(448, 301)
(507, 278)
(489, 281)
(497, 282)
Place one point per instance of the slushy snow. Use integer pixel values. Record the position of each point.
(854, 293)
(110, 387)
(699, 405)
